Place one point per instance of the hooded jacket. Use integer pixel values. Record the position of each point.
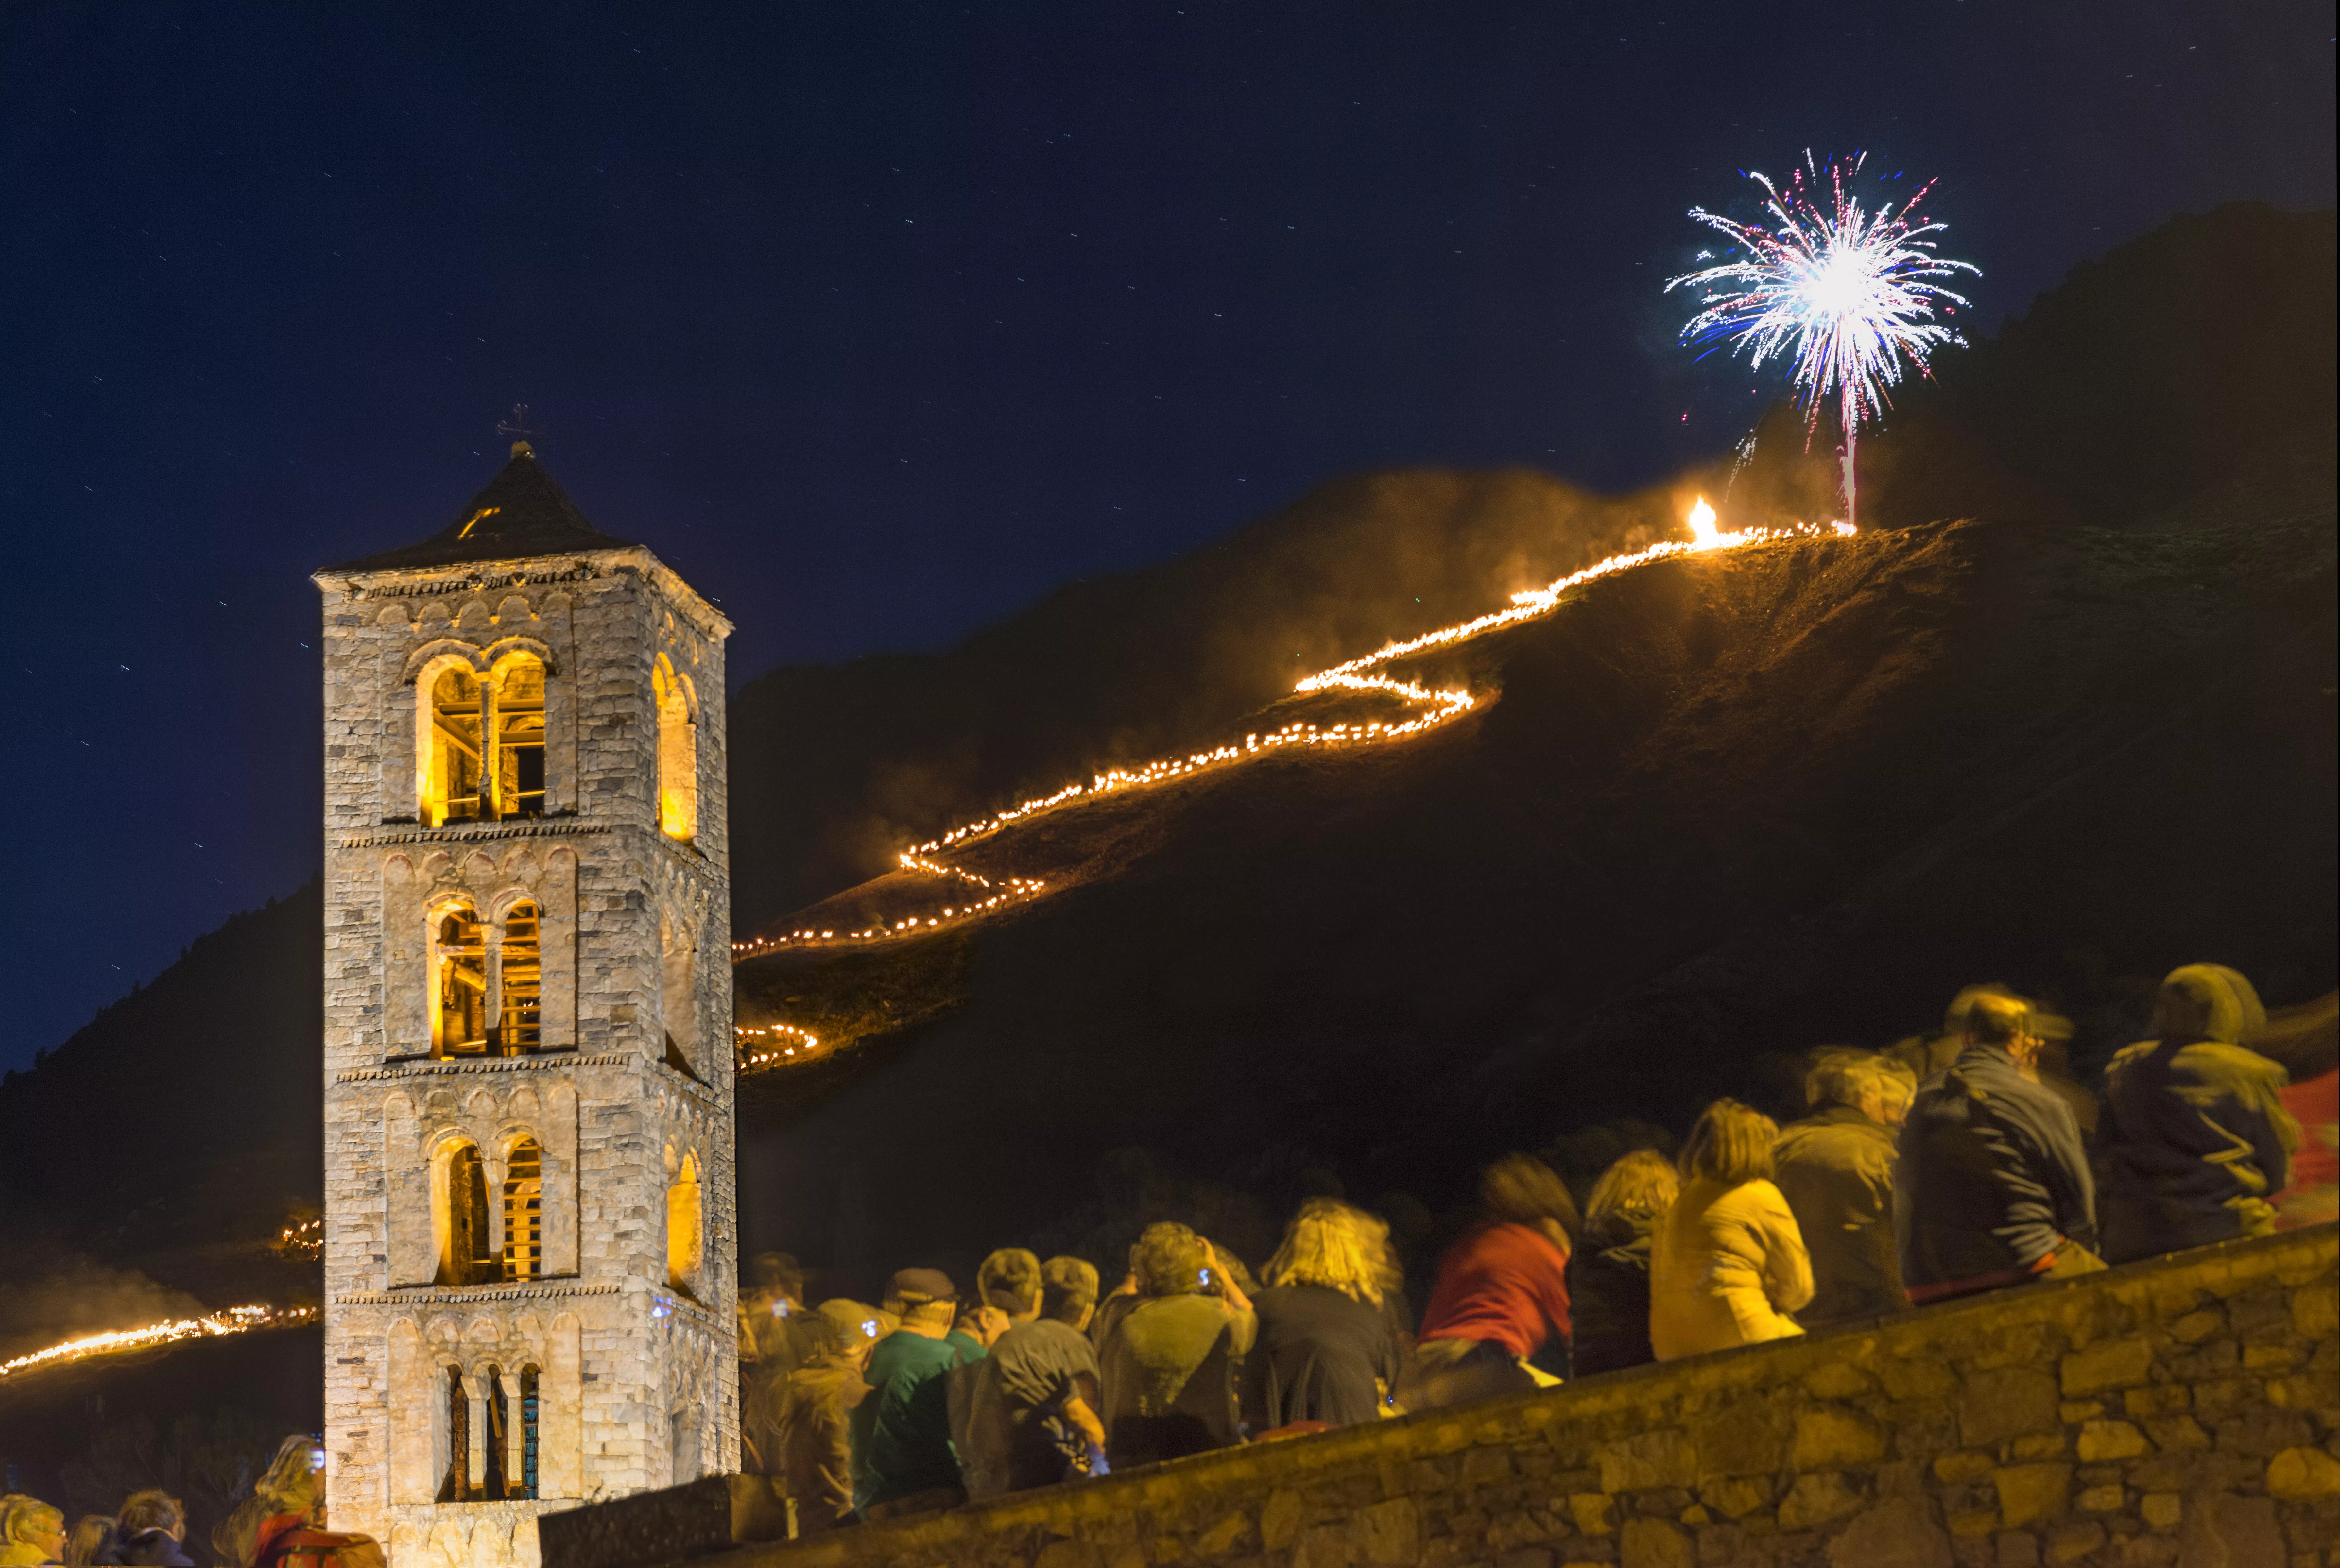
(2193, 1141)
(1836, 1171)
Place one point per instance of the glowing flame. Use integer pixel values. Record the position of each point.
(1353, 676)
(234, 1320)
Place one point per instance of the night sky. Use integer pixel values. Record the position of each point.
(878, 321)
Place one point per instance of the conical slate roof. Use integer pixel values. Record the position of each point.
(522, 513)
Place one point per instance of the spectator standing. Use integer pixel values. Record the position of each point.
(900, 1429)
(813, 1444)
(1993, 1187)
(1167, 1363)
(32, 1532)
(1327, 1351)
(775, 1337)
(1728, 1265)
(1608, 1272)
(152, 1530)
(1502, 1292)
(282, 1524)
(1835, 1168)
(1033, 1420)
(2193, 1141)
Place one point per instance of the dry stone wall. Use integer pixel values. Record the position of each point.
(2178, 1413)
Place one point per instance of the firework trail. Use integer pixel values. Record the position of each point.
(1844, 293)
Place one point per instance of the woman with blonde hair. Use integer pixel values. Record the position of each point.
(1609, 1275)
(1728, 1265)
(1327, 1351)
(282, 1524)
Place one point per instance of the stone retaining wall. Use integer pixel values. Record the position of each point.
(2175, 1413)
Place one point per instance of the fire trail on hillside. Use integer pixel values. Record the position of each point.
(114, 1341)
(781, 1045)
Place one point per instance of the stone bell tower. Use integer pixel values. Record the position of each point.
(530, 1235)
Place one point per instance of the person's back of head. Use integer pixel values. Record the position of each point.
(1331, 1245)
(90, 1541)
(778, 1274)
(1732, 1143)
(153, 1509)
(1009, 1280)
(1169, 1260)
(1877, 1086)
(1521, 1189)
(289, 1485)
(1068, 1290)
(2209, 1002)
(1632, 1194)
(844, 1331)
(925, 1299)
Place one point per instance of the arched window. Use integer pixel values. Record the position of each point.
(519, 983)
(686, 1243)
(492, 1483)
(458, 983)
(517, 736)
(455, 771)
(455, 1487)
(530, 1434)
(678, 993)
(524, 1211)
(459, 1183)
(677, 752)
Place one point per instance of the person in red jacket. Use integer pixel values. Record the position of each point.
(282, 1524)
(1502, 1292)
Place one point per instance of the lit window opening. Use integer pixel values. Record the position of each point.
(519, 1023)
(464, 1254)
(528, 1434)
(518, 737)
(457, 749)
(455, 1487)
(524, 1212)
(459, 1027)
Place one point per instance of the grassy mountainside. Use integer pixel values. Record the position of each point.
(1723, 806)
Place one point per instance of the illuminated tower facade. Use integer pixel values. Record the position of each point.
(530, 1235)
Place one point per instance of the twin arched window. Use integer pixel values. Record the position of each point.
(479, 743)
(487, 982)
(469, 1251)
(507, 1470)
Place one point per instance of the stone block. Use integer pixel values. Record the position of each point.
(2038, 1445)
(2072, 1542)
(1741, 1441)
(1899, 1532)
(1834, 1438)
(1838, 1380)
(1661, 1458)
(2029, 1492)
(1967, 1466)
(1817, 1499)
(1920, 1377)
(2112, 1364)
(2316, 1310)
(1996, 1405)
(1230, 1534)
(1654, 1544)
(715, 1513)
(2194, 1327)
(1280, 1518)
(2158, 1399)
(2016, 1549)
(1590, 1511)
(2228, 1532)
(2105, 1499)
(2162, 1510)
(2177, 1434)
(2102, 1440)
(1737, 1496)
(2297, 1474)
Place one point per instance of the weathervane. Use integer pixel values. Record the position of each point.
(516, 428)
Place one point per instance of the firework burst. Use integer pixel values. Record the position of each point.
(1845, 294)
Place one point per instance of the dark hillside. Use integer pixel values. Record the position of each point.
(1735, 804)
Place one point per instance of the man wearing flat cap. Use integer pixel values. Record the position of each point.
(903, 1462)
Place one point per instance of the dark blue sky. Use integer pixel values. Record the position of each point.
(880, 320)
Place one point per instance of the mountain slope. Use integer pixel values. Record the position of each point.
(1723, 804)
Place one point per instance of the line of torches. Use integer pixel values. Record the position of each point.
(1442, 707)
(233, 1319)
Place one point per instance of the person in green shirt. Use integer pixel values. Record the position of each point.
(903, 1462)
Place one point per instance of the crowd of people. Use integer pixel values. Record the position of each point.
(281, 1526)
(1953, 1168)
(1944, 1171)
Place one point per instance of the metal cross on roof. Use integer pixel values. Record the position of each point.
(516, 427)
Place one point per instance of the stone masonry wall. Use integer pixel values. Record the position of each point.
(2175, 1413)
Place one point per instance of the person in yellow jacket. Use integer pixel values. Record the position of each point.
(1729, 1265)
